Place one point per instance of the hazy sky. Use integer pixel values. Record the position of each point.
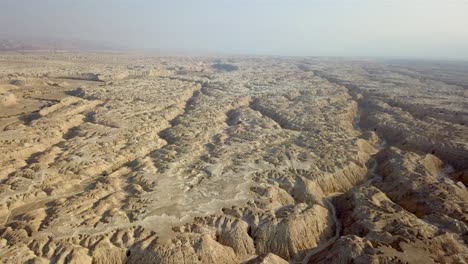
(395, 28)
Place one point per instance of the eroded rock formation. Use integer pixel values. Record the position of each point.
(171, 160)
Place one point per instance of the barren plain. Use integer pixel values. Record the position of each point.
(111, 158)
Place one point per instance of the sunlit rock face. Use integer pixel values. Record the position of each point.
(132, 159)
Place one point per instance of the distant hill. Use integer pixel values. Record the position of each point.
(10, 45)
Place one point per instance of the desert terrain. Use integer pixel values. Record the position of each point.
(113, 158)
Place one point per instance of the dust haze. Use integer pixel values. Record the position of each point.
(389, 28)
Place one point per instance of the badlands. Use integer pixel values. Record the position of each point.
(112, 158)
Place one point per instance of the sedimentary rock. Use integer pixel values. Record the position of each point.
(132, 159)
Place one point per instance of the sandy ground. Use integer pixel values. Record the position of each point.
(111, 158)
